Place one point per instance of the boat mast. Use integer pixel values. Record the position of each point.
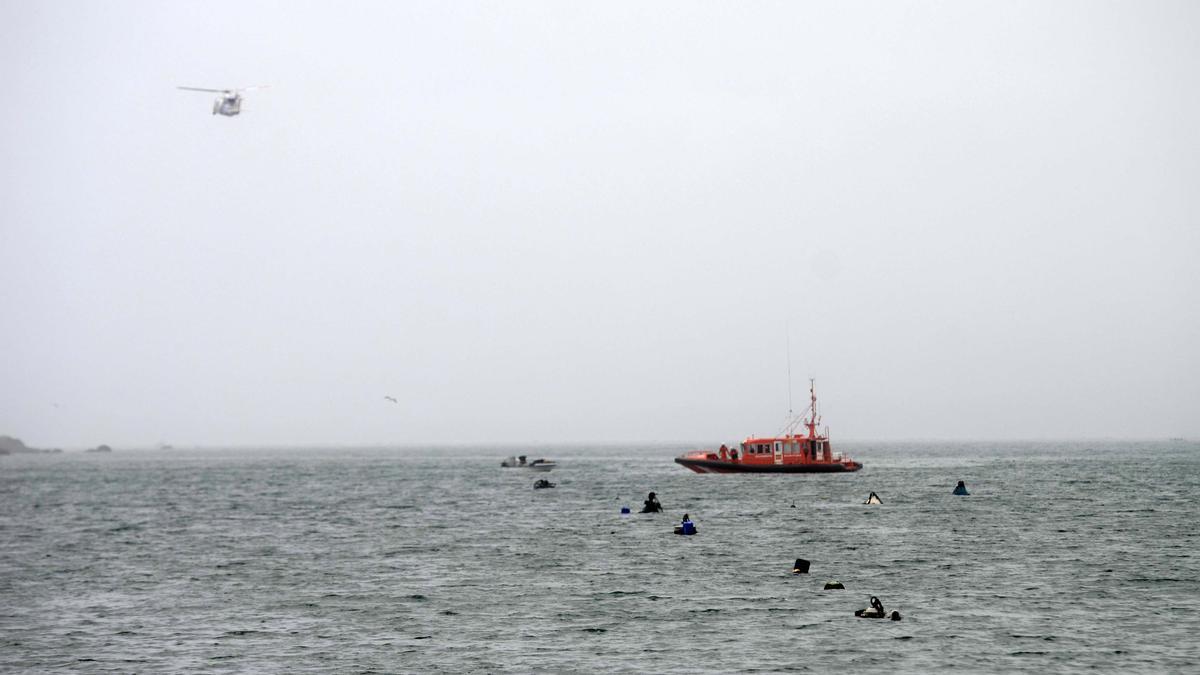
(812, 408)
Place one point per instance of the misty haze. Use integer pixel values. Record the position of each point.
(542, 222)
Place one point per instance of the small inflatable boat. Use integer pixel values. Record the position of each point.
(876, 611)
(686, 527)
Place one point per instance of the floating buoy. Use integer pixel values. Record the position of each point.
(834, 586)
(873, 499)
(801, 566)
(624, 510)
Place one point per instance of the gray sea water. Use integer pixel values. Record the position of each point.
(1066, 557)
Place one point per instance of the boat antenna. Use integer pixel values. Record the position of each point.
(788, 332)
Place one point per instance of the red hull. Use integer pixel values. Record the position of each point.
(729, 466)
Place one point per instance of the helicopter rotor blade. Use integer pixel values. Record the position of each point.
(213, 91)
(257, 86)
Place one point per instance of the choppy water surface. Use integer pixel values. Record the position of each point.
(1066, 557)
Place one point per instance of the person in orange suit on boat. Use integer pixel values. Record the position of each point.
(724, 451)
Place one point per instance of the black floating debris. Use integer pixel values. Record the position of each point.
(542, 483)
(801, 566)
(834, 586)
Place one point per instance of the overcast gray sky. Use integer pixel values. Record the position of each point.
(563, 221)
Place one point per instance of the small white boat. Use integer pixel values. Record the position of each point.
(520, 463)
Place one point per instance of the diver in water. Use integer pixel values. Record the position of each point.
(686, 526)
(873, 499)
(961, 489)
(651, 504)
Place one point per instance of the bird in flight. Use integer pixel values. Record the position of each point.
(391, 399)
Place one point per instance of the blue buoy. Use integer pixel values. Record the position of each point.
(624, 510)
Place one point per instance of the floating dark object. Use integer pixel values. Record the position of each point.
(624, 510)
(834, 586)
(542, 484)
(961, 489)
(801, 566)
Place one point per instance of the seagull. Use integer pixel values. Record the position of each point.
(391, 399)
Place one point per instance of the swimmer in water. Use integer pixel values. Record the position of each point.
(651, 504)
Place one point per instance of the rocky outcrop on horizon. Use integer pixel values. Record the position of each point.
(12, 446)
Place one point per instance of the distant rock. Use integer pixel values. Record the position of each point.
(8, 445)
(11, 446)
(99, 448)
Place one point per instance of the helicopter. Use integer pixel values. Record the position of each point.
(229, 103)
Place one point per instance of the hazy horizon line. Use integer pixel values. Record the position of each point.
(542, 444)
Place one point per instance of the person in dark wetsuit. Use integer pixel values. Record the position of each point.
(961, 489)
(651, 504)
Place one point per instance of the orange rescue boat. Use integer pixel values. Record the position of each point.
(790, 452)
